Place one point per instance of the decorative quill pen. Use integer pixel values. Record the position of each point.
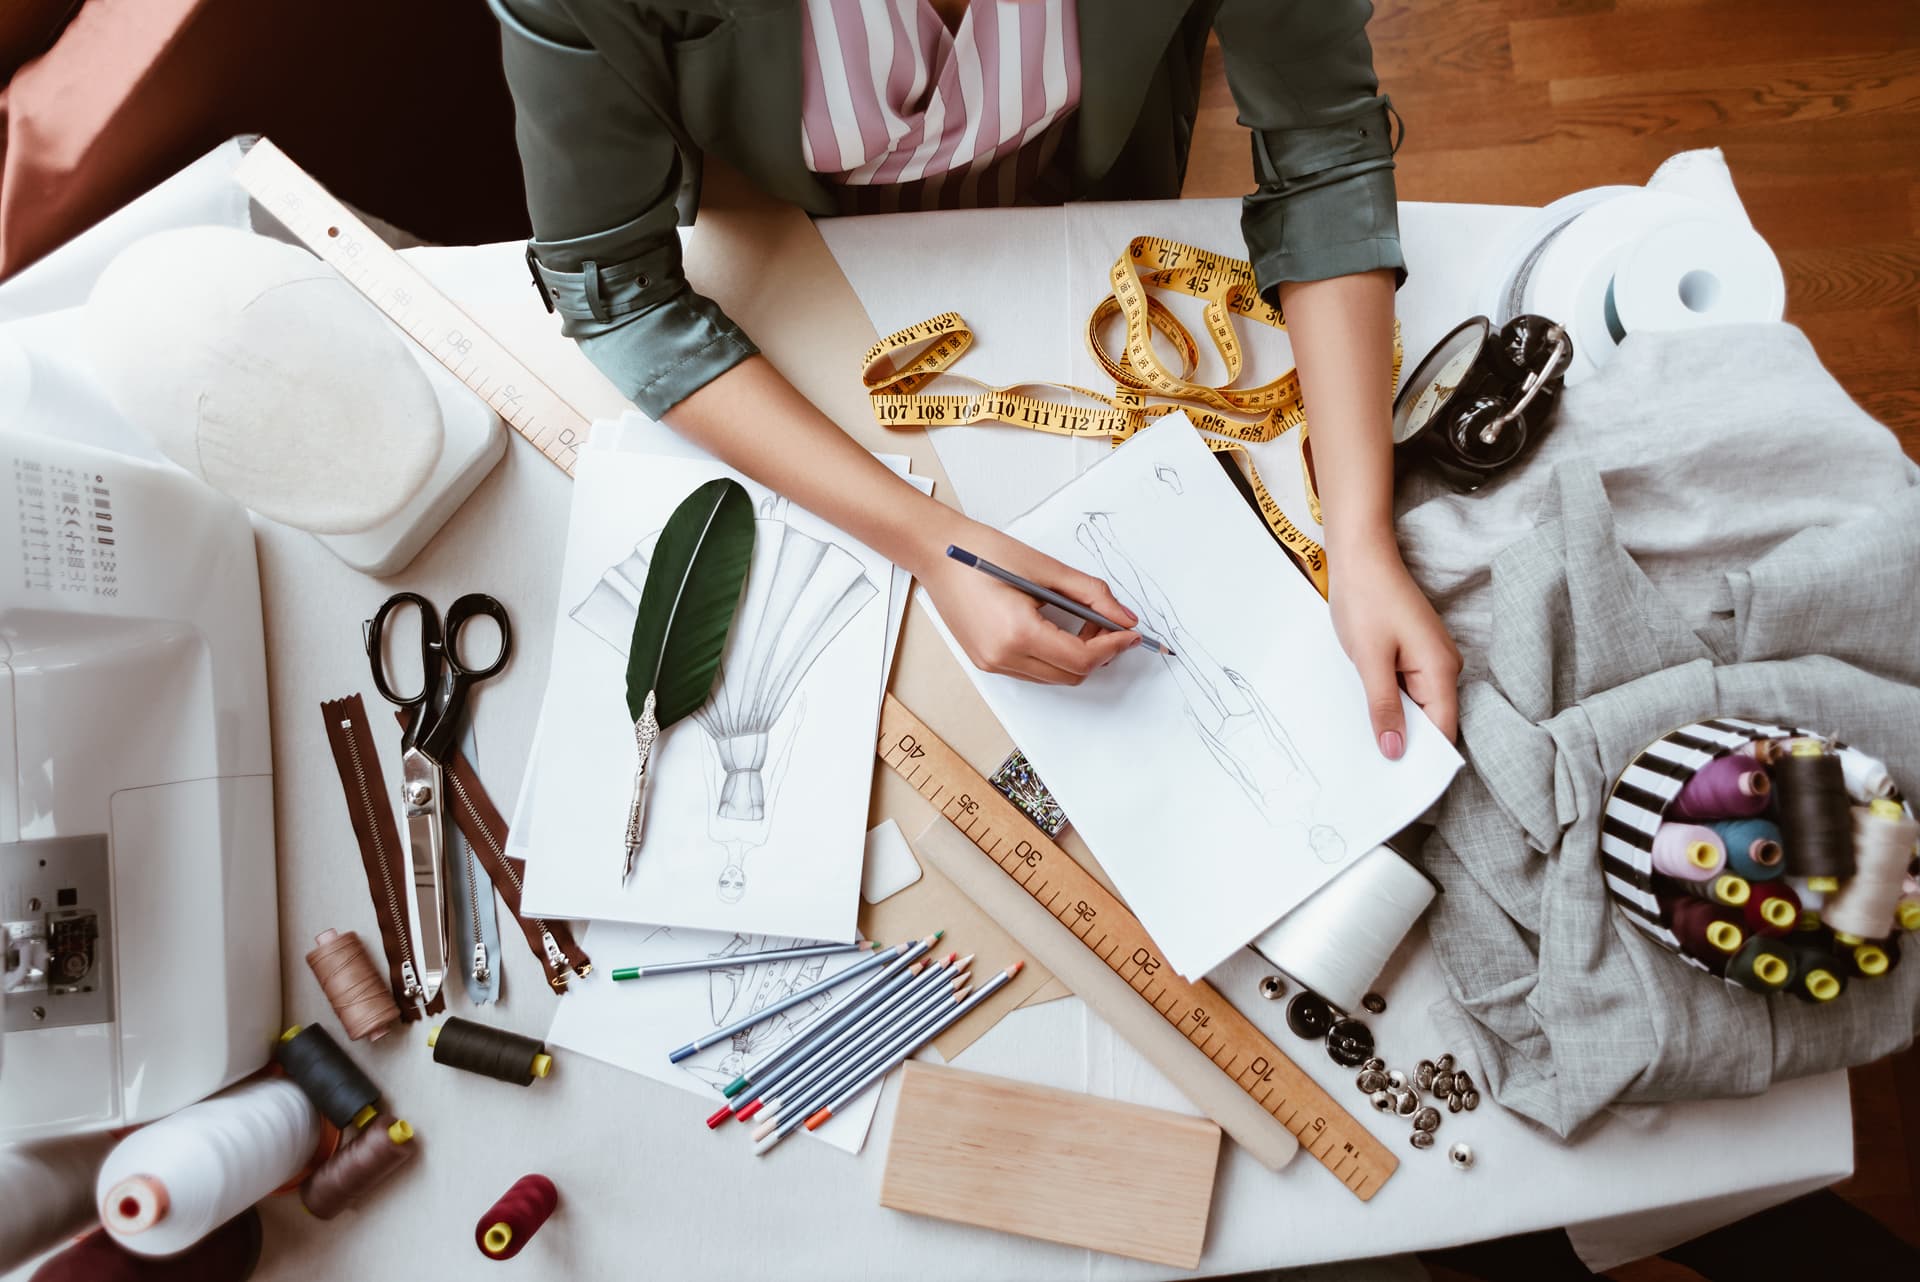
(694, 580)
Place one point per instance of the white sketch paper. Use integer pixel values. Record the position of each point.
(757, 808)
(635, 1023)
(1222, 785)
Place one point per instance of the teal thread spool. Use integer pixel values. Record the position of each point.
(1754, 850)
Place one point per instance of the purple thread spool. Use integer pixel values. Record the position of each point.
(1688, 852)
(1729, 787)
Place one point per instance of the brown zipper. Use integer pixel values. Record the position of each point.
(381, 851)
(552, 942)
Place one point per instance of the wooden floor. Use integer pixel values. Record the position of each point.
(1817, 105)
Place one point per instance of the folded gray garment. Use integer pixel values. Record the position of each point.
(1594, 632)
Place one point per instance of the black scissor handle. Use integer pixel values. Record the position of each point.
(430, 647)
(462, 611)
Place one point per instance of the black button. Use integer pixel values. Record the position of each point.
(1350, 1042)
(1310, 1017)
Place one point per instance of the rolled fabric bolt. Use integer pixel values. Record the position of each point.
(1709, 933)
(1816, 820)
(1762, 965)
(1688, 852)
(1753, 848)
(1867, 777)
(1773, 910)
(1817, 975)
(1729, 787)
(1883, 839)
(1723, 889)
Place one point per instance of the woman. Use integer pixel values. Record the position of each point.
(862, 105)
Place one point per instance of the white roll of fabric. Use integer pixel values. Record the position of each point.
(1339, 940)
(1679, 253)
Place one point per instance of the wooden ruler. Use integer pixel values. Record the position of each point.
(1055, 881)
(410, 301)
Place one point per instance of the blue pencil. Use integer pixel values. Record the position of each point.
(699, 1044)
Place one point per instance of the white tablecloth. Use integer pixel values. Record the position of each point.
(646, 1190)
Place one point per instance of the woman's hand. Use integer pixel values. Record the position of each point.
(1001, 628)
(1395, 639)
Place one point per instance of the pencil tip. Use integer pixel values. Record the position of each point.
(1015, 969)
(938, 935)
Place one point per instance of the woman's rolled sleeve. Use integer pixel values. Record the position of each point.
(603, 172)
(1302, 75)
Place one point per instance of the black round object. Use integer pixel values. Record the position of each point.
(320, 1068)
(1349, 1042)
(1309, 1016)
(1475, 404)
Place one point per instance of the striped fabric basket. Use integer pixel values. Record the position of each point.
(1639, 801)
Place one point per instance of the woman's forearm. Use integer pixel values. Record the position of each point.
(1342, 335)
(753, 419)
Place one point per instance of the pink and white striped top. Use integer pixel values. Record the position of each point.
(908, 115)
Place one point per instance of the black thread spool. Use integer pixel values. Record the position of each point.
(344, 1095)
(490, 1052)
(1816, 818)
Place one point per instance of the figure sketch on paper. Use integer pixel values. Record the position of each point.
(801, 592)
(736, 836)
(740, 989)
(1231, 718)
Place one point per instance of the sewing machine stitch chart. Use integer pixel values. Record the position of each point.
(1264, 777)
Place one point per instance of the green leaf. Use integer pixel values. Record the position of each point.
(694, 581)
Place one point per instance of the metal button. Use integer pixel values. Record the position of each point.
(1421, 1139)
(1456, 1102)
(1462, 1082)
(1371, 1080)
(1310, 1017)
(1381, 1101)
(1442, 1084)
(1273, 987)
(1461, 1155)
(1406, 1104)
(1444, 1064)
(1349, 1041)
(1397, 1078)
(1470, 1100)
(1427, 1119)
(1423, 1075)
(1377, 1064)
(1374, 1002)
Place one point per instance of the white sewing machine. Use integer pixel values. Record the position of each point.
(139, 932)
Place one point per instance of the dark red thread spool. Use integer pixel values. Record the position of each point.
(228, 1254)
(516, 1217)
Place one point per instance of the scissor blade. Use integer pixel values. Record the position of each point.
(420, 804)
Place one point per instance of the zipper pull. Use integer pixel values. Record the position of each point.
(411, 982)
(559, 970)
(481, 971)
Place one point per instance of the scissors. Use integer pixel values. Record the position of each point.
(434, 733)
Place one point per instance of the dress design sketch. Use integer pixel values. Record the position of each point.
(1231, 718)
(801, 592)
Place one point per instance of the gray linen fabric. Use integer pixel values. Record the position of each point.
(1713, 528)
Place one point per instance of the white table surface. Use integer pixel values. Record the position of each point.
(646, 1190)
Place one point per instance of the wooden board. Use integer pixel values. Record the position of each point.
(1051, 1164)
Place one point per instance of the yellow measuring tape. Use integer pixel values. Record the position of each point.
(900, 365)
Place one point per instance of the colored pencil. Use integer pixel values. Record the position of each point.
(705, 1040)
(935, 1016)
(854, 1043)
(1052, 598)
(739, 959)
(850, 1007)
(985, 991)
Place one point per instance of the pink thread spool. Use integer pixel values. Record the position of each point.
(1688, 852)
(1729, 787)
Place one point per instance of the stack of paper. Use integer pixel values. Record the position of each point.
(757, 810)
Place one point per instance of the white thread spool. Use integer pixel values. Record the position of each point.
(1338, 941)
(1883, 837)
(46, 1194)
(1867, 779)
(170, 1184)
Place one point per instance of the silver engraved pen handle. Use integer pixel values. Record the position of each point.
(645, 731)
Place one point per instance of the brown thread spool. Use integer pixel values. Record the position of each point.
(354, 988)
(358, 1168)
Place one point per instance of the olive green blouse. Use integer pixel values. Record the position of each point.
(618, 101)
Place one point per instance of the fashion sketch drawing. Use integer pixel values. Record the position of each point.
(1248, 742)
(801, 592)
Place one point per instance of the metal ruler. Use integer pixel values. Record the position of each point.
(410, 301)
(1054, 880)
